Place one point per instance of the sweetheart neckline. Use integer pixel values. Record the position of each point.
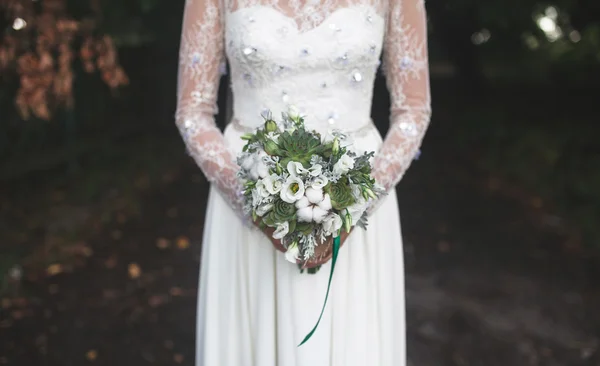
(295, 24)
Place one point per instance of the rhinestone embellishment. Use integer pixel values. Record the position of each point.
(408, 128)
(249, 50)
(406, 63)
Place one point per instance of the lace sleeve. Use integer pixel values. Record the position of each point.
(405, 63)
(200, 60)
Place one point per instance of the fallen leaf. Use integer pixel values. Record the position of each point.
(443, 246)
(537, 202)
(143, 182)
(162, 243)
(109, 294)
(183, 242)
(116, 234)
(134, 270)
(178, 358)
(91, 355)
(6, 303)
(53, 289)
(87, 251)
(493, 184)
(157, 300)
(168, 344)
(173, 212)
(54, 269)
(17, 314)
(111, 262)
(121, 218)
(176, 291)
(58, 196)
(168, 271)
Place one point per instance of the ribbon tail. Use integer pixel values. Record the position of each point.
(336, 249)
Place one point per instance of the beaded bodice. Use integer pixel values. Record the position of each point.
(320, 56)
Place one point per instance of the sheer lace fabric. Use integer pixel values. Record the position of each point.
(321, 56)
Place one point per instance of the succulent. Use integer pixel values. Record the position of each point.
(340, 193)
(300, 146)
(281, 212)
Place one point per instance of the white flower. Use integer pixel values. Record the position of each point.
(332, 223)
(314, 208)
(319, 182)
(292, 190)
(255, 164)
(272, 183)
(293, 112)
(357, 209)
(247, 162)
(296, 169)
(262, 189)
(293, 253)
(264, 209)
(343, 165)
(256, 198)
(315, 170)
(282, 230)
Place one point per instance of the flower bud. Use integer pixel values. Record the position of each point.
(278, 169)
(336, 146)
(347, 221)
(271, 147)
(371, 193)
(270, 126)
(247, 136)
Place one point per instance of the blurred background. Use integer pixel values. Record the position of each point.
(102, 210)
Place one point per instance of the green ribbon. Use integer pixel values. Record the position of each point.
(336, 249)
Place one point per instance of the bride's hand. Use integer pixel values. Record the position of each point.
(268, 231)
(324, 252)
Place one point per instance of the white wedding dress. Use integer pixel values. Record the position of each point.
(321, 56)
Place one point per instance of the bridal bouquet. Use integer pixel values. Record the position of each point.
(305, 186)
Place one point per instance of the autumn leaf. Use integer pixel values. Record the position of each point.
(156, 300)
(178, 358)
(183, 242)
(121, 218)
(111, 262)
(91, 355)
(176, 291)
(134, 270)
(54, 269)
(173, 212)
(116, 234)
(443, 246)
(162, 243)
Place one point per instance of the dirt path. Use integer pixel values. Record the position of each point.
(488, 283)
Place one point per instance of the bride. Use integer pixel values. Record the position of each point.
(321, 57)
